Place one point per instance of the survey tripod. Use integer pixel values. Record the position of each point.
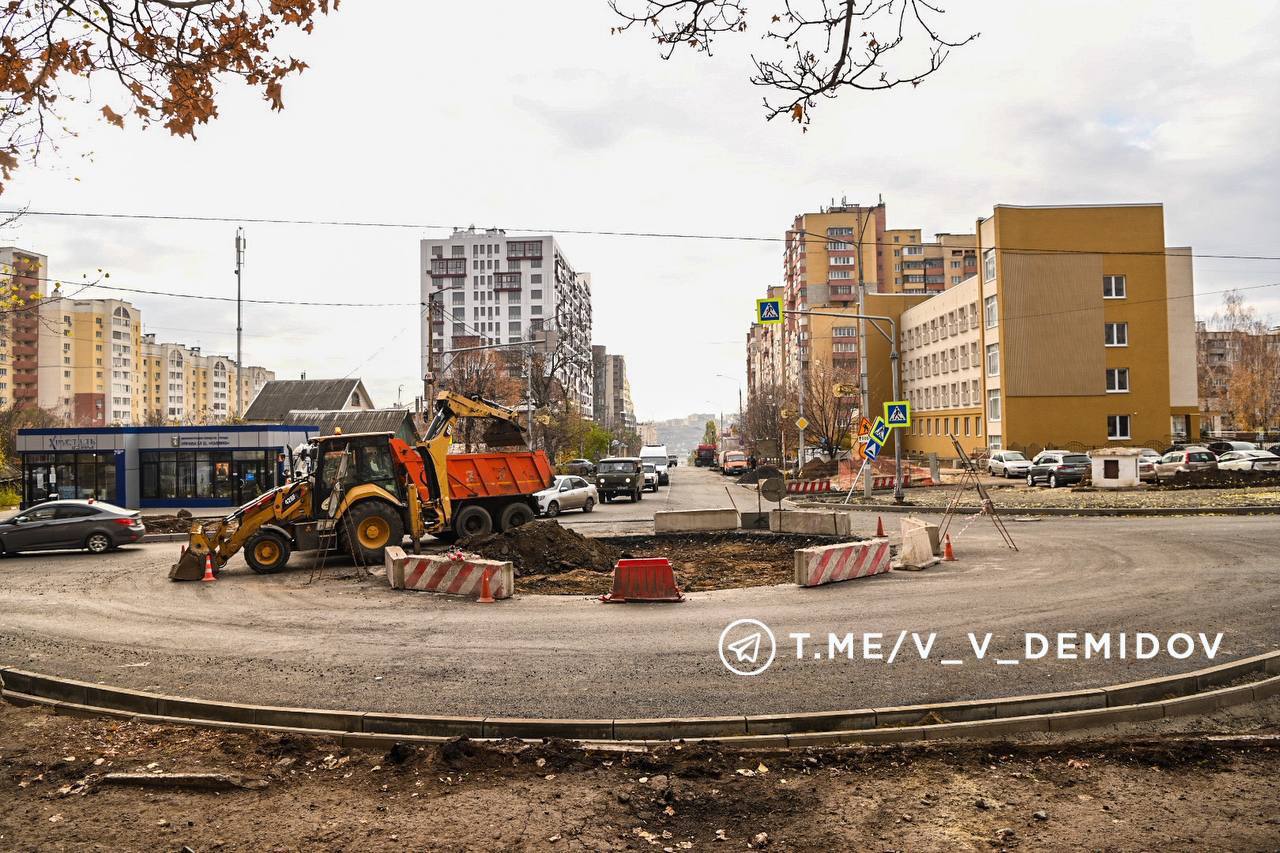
(970, 478)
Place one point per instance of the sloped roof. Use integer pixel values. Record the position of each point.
(350, 421)
(281, 396)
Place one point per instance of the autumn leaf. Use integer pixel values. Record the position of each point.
(112, 116)
(797, 112)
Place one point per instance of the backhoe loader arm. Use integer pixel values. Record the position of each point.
(451, 406)
(223, 539)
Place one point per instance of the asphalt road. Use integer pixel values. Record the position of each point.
(325, 639)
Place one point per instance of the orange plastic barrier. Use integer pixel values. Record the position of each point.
(643, 580)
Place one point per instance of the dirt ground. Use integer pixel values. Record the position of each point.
(1146, 792)
(701, 561)
(1016, 495)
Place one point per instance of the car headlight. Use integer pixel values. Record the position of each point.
(628, 480)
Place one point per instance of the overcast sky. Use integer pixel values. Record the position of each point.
(513, 115)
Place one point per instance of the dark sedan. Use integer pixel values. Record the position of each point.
(1058, 468)
(92, 525)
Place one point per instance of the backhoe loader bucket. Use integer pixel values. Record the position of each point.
(190, 566)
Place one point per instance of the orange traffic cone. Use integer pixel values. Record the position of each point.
(879, 527)
(486, 597)
(947, 554)
(208, 568)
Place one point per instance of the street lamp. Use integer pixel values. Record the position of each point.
(739, 384)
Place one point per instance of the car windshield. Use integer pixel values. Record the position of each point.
(1076, 459)
(1014, 456)
(617, 467)
(649, 469)
(735, 457)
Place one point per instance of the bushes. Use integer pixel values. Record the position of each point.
(9, 496)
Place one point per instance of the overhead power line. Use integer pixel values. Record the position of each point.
(598, 232)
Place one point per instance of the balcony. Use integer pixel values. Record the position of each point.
(524, 251)
(19, 350)
(448, 267)
(25, 335)
(24, 364)
(509, 281)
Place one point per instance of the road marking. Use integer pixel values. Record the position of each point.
(1003, 662)
(950, 662)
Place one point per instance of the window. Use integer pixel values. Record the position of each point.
(844, 332)
(1117, 334)
(989, 265)
(840, 274)
(1117, 426)
(841, 260)
(993, 405)
(993, 359)
(535, 278)
(1117, 380)
(1113, 287)
(989, 311)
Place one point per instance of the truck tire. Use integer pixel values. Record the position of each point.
(267, 552)
(472, 521)
(370, 527)
(514, 515)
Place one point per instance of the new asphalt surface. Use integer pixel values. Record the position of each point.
(321, 637)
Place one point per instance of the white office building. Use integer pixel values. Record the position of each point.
(488, 288)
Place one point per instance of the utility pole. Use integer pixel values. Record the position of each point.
(240, 244)
(863, 385)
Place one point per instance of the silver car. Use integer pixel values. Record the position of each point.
(567, 492)
(1249, 460)
(1008, 463)
(92, 525)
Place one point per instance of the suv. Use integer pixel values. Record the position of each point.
(1058, 468)
(650, 477)
(580, 467)
(1189, 459)
(619, 476)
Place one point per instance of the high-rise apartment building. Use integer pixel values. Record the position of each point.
(28, 343)
(182, 385)
(485, 288)
(612, 397)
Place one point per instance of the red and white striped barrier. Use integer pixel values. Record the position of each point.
(833, 563)
(878, 481)
(808, 487)
(448, 575)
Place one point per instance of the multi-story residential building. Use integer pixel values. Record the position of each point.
(612, 396)
(483, 288)
(27, 341)
(183, 385)
(1219, 351)
(913, 266)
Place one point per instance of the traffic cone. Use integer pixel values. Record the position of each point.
(208, 568)
(486, 597)
(947, 554)
(879, 527)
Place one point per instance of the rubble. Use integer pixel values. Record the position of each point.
(543, 548)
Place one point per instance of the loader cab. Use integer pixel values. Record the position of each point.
(368, 459)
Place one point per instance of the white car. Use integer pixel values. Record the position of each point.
(1248, 460)
(651, 477)
(1008, 463)
(567, 492)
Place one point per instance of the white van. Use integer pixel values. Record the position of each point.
(656, 455)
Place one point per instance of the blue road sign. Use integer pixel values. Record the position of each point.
(873, 450)
(768, 311)
(879, 431)
(898, 413)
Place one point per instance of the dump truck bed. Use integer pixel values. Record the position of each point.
(491, 475)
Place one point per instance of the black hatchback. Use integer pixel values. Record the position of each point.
(92, 525)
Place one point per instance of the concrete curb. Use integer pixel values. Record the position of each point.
(1176, 695)
(1009, 512)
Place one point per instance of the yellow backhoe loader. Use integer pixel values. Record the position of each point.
(369, 490)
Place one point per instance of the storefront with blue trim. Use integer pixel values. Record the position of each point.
(141, 467)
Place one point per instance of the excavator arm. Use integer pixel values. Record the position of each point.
(222, 539)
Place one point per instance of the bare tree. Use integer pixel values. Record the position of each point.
(1245, 382)
(820, 46)
(762, 427)
(831, 416)
(480, 374)
(156, 60)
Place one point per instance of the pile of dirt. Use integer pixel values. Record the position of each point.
(817, 469)
(701, 561)
(180, 523)
(544, 548)
(758, 474)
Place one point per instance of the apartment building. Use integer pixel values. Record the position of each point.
(27, 341)
(483, 288)
(914, 266)
(1219, 351)
(611, 399)
(182, 385)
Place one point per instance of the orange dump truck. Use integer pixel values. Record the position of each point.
(495, 491)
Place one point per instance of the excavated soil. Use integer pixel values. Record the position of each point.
(701, 561)
(1135, 792)
(544, 548)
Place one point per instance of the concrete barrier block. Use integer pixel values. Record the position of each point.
(695, 520)
(938, 712)
(987, 728)
(394, 559)
(812, 522)
(308, 718)
(753, 520)
(1207, 703)
(134, 701)
(195, 709)
(919, 543)
(832, 563)
(440, 574)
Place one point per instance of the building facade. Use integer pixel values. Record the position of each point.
(483, 288)
(1219, 351)
(26, 342)
(612, 399)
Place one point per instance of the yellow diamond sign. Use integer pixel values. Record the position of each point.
(802, 423)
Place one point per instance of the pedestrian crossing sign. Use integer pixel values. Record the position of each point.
(879, 432)
(898, 413)
(768, 311)
(872, 451)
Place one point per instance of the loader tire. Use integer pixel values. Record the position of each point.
(514, 515)
(267, 552)
(472, 521)
(371, 526)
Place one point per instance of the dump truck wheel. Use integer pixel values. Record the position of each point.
(473, 521)
(267, 553)
(514, 515)
(371, 526)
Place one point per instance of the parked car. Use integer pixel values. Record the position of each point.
(1058, 468)
(567, 492)
(1220, 447)
(580, 467)
(620, 476)
(733, 462)
(1147, 459)
(651, 477)
(1189, 459)
(1275, 448)
(1183, 445)
(1008, 463)
(1249, 460)
(92, 525)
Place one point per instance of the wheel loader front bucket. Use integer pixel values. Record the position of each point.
(190, 566)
